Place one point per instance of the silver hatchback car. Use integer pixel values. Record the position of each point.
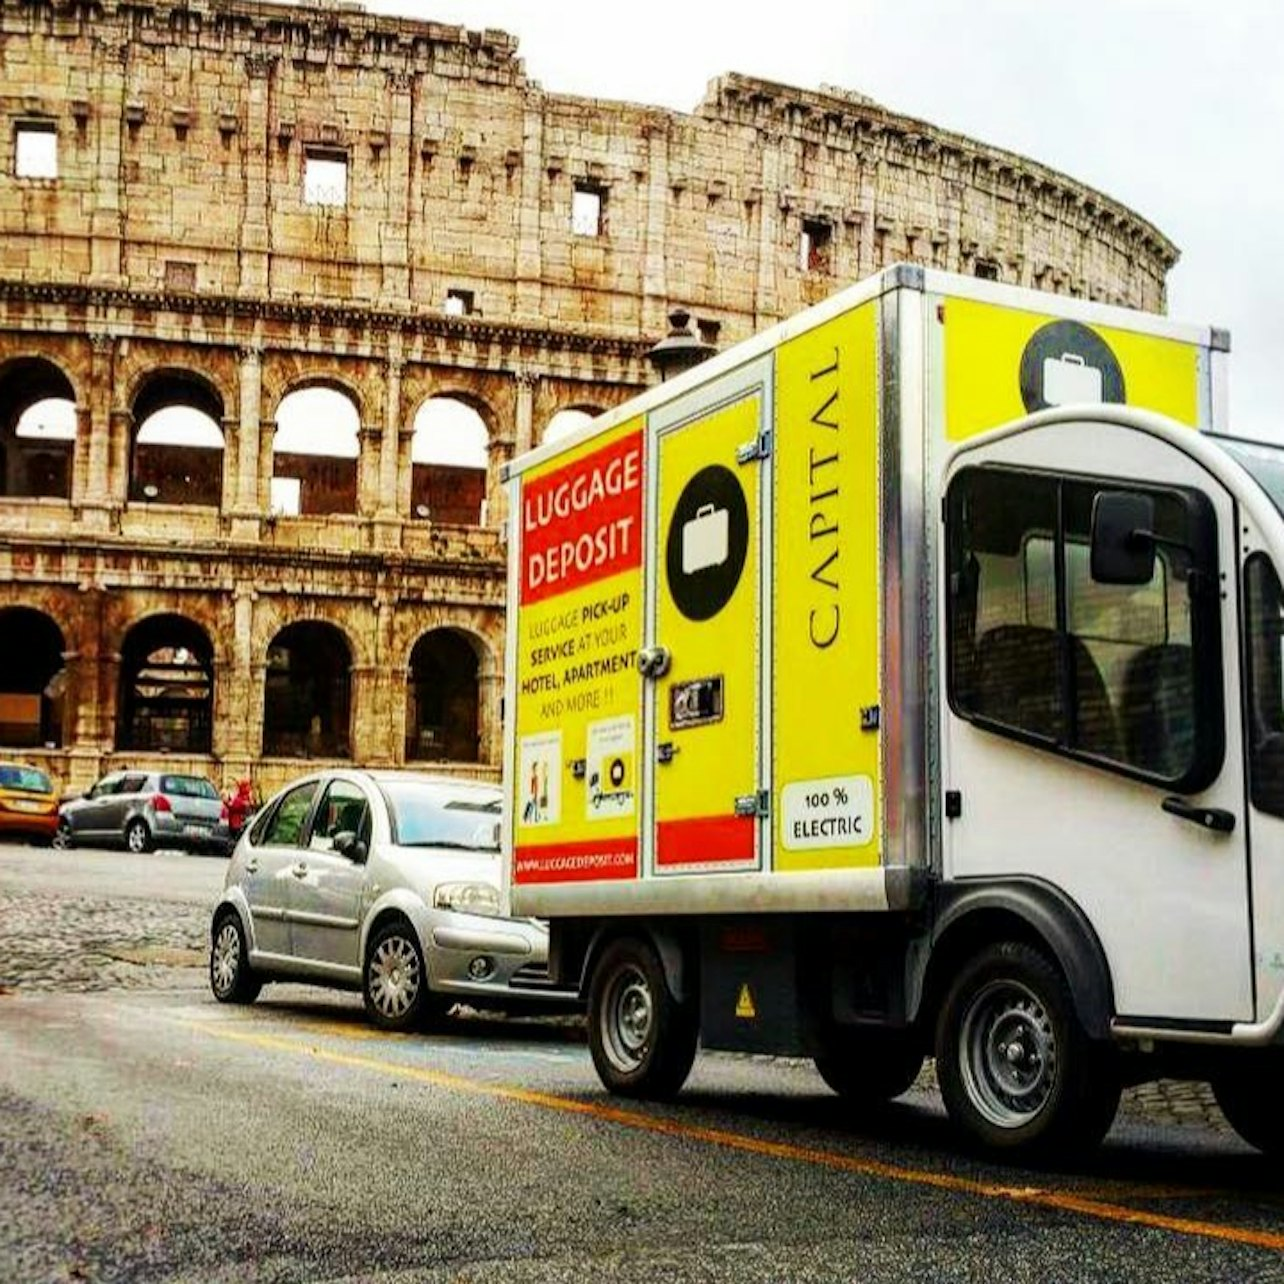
(383, 881)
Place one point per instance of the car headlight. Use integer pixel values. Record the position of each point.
(468, 898)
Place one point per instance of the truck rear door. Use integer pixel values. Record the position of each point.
(704, 705)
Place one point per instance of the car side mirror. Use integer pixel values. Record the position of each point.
(1123, 540)
(346, 843)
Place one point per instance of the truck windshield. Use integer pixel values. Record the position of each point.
(1265, 463)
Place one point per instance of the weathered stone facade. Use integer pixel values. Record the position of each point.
(177, 255)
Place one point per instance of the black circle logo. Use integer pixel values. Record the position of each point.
(616, 772)
(1066, 362)
(707, 543)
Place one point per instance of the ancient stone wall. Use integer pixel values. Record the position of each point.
(235, 200)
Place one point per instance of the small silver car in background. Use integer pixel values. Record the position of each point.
(146, 809)
(383, 881)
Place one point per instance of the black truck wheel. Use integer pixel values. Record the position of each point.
(1249, 1095)
(642, 1039)
(1017, 1072)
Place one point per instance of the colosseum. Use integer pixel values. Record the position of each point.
(281, 290)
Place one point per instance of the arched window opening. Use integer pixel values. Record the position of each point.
(37, 431)
(33, 680)
(167, 687)
(564, 423)
(314, 454)
(449, 454)
(177, 449)
(307, 693)
(178, 458)
(442, 699)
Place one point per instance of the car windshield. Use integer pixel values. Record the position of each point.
(187, 787)
(1264, 462)
(28, 778)
(435, 815)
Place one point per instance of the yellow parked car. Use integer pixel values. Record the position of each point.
(28, 802)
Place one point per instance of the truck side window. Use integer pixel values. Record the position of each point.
(1264, 648)
(1038, 648)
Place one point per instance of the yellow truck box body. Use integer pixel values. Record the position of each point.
(719, 660)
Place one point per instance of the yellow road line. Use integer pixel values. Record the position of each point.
(1033, 1196)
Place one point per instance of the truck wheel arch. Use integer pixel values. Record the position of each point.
(971, 915)
(675, 953)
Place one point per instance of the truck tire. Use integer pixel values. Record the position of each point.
(1249, 1098)
(642, 1039)
(1017, 1072)
(869, 1066)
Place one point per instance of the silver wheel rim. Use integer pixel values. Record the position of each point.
(136, 838)
(225, 961)
(1008, 1054)
(628, 1017)
(395, 977)
(62, 836)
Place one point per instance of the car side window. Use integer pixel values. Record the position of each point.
(285, 827)
(1264, 648)
(343, 809)
(132, 785)
(1126, 675)
(107, 785)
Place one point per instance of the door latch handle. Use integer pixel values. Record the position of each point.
(1217, 819)
(251, 866)
(653, 661)
(666, 752)
(300, 870)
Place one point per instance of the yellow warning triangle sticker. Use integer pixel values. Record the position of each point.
(744, 1004)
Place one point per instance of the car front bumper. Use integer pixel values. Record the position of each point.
(489, 961)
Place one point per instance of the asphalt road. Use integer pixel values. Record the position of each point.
(151, 1134)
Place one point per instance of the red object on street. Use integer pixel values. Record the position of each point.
(241, 805)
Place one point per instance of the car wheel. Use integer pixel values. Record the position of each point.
(1016, 1069)
(63, 840)
(138, 838)
(642, 1039)
(394, 984)
(231, 978)
(1249, 1097)
(869, 1066)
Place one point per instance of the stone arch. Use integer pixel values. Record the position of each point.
(33, 679)
(316, 448)
(307, 697)
(445, 671)
(37, 429)
(176, 443)
(166, 695)
(451, 435)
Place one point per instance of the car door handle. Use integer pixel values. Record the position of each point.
(300, 870)
(252, 865)
(1214, 818)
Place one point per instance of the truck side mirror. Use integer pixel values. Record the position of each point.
(1123, 541)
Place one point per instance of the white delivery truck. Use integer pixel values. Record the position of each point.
(909, 680)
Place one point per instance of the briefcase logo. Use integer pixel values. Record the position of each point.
(705, 539)
(1067, 363)
(707, 542)
(1069, 378)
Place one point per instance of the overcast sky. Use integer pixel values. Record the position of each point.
(1171, 106)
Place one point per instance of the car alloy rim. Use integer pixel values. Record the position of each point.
(627, 1015)
(394, 976)
(135, 838)
(1008, 1053)
(226, 960)
(62, 835)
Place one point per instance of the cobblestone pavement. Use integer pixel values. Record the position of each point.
(84, 943)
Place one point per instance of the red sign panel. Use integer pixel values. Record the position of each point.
(583, 522)
(577, 862)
